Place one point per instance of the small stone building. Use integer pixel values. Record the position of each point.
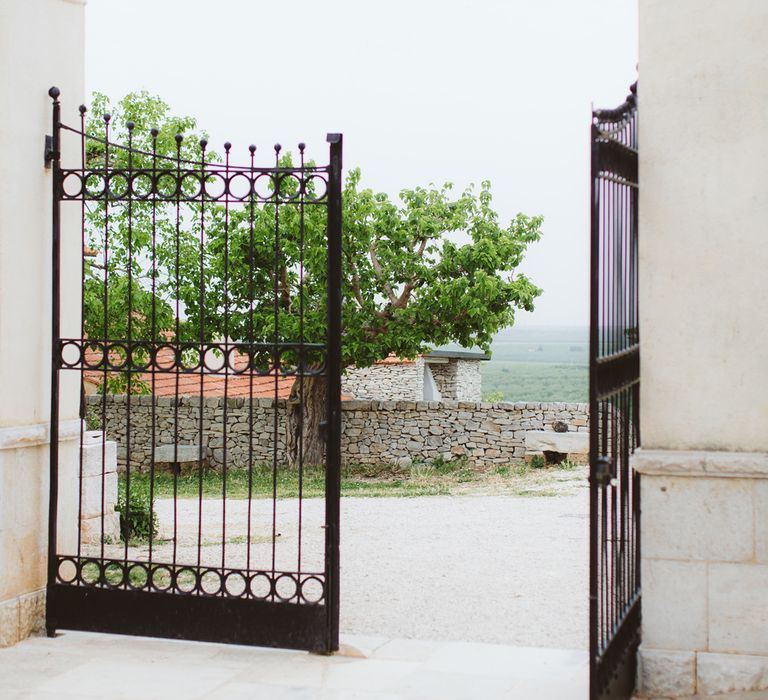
(441, 375)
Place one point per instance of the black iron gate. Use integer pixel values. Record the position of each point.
(614, 404)
(210, 332)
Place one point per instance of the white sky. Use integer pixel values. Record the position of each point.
(423, 91)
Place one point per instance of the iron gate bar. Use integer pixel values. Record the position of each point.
(166, 595)
(615, 601)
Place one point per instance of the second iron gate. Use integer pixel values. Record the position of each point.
(614, 404)
(206, 363)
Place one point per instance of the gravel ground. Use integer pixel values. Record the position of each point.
(497, 569)
(502, 569)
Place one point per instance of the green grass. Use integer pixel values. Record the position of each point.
(437, 478)
(261, 482)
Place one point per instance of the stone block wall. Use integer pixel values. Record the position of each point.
(704, 573)
(373, 432)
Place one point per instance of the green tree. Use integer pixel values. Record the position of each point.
(408, 284)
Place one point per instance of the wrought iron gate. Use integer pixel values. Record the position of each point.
(614, 404)
(211, 311)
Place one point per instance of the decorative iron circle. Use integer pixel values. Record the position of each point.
(94, 185)
(90, 572)
(138, 349)
(98, 350)
(118, 184)
(166, 185)
(161, 575)
(72, 185)
(312, 590)
(71, 353)
(191, 185)
(315, 188)
(66, 572)
(114, 574)
(138, 576)
(141, 185)
(265, 186)
(185, 580)
(191, 358)
(235, 584)
(290, 187)
(239, 187)
(285, 587)
(214, 359)
(118, 355)
(260, 586)
(215, 186)
(162, 363)
(210, 582)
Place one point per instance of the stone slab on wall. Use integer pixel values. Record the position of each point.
(373, 432)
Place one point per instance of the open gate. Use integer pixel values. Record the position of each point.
(614, 396)
(211, 310)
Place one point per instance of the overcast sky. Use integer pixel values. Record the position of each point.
(423, 91)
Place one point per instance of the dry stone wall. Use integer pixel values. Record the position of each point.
(391, 381)
(373, 432)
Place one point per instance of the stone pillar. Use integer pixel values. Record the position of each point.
(41, 44)
(99, 464)
(703, 95)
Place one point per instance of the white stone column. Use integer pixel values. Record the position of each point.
(41, 44)
(703, 106)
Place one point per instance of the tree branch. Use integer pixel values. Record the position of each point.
(380, 274)
(355, 281)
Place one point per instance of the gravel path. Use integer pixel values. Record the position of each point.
(502, 569)
(486, 568)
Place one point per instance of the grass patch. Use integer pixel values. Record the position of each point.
(440, 477)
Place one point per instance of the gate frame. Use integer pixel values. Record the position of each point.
(613, 668)
(199, 617)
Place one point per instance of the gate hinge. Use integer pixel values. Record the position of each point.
(604, 471)
(50, 154)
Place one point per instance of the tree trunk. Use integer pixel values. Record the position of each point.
(305, 442)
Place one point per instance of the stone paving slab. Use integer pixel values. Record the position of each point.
(87, 666)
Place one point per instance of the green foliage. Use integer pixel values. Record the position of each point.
(408, 284)
(538, 462)
(138, 520)
(493, 396)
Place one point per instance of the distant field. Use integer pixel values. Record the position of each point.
(539, 364)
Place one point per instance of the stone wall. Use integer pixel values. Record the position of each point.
(373, 431)
(388, 380)
(468, 380)
(444, 374)
(456, 379)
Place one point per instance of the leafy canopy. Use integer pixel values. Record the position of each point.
(205, 272)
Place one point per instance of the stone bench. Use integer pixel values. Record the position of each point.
(181, 457)
(555, 447)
